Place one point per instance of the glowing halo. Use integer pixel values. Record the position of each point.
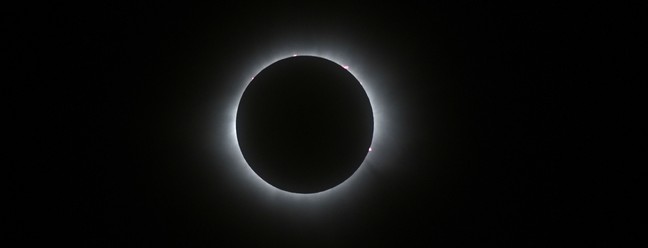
(266, 193)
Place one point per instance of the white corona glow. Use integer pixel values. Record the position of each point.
(265, 193)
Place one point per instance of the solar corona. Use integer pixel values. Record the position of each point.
(240, 175)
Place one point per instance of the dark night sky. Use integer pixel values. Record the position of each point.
(493, 137)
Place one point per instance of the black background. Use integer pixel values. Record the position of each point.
(499, 123)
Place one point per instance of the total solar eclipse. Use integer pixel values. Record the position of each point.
(304, 124)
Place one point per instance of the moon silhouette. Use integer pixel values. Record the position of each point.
(304, 124)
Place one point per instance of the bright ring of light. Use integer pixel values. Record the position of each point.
(266, 193)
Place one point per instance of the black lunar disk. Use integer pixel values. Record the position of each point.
(304, 124)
